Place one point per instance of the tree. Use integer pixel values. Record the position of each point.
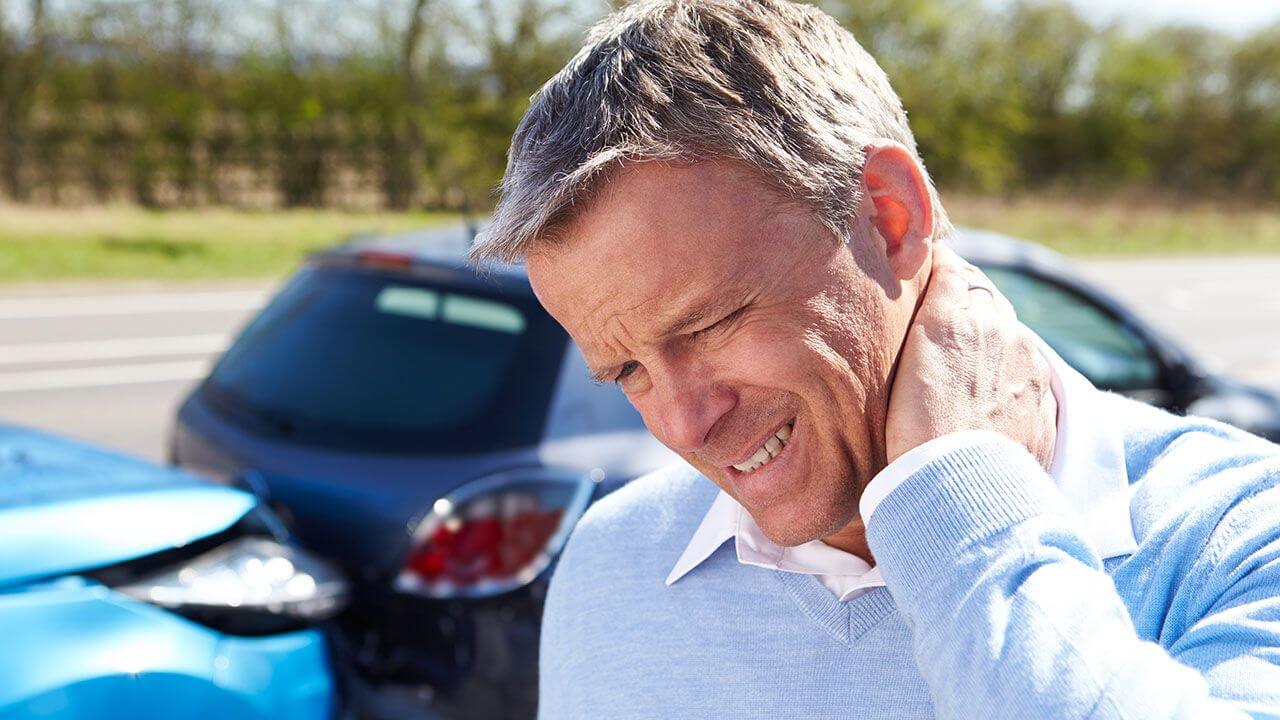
(23, 61)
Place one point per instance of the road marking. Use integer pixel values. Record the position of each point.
(86, 350)
(148, 304)
(103, 376)
(1178, 298)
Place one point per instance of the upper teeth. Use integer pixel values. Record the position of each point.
(768, 451)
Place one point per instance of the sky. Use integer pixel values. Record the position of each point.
(1233, 16)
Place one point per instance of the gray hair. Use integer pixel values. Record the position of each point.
(773, 84)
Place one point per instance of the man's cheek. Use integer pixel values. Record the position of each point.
(649, 412)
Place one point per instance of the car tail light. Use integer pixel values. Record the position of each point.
(495, 534)
(384, 258)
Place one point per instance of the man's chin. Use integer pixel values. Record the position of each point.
(789, 527)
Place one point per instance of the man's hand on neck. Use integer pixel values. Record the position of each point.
(967, 364)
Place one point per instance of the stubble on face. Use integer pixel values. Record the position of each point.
(782, 322)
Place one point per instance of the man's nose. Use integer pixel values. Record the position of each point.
(687, 405)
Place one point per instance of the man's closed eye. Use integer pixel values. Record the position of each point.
(721, 324)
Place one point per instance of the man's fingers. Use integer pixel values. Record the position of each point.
(982, 290)
(949, 280)
(963, 284)
(983, 296)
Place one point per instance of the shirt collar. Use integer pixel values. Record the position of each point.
(1089, 464)
(844, 573)
(1088, 467)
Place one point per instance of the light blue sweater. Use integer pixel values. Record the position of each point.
(995, 605)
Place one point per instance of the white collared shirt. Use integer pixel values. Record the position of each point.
(1088, 467)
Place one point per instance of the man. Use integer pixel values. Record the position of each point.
(930, 514)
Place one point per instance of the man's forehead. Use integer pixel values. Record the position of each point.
(613, 316)
(656, 251)
(651, 234)
(649, 303)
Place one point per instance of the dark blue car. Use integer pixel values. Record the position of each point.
(435, 432)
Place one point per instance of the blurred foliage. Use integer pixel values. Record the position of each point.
(1034, 96)
(411, 103)
(406, 103)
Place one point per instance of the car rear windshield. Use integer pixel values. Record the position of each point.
(359, 359)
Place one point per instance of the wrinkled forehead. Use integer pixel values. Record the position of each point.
(629, 289)
(658, 240)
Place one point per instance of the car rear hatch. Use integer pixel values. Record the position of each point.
(358, 509)
(420, 360)
(370, 386)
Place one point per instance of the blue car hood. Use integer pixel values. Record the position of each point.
(66, 507)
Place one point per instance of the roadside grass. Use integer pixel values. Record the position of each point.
(44, 244)
(1124, 226)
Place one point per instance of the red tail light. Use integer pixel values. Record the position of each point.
(384, 258)
(495, 534)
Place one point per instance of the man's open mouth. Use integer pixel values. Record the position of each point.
(771, 448)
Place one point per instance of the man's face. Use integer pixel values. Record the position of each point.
(735, 321)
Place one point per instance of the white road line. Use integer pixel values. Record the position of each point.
(146, 304)
(103, 376)
(86, 350)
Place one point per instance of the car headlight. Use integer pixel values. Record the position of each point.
(495, 534)
(242, 585)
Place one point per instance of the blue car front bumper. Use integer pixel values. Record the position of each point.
(72, 648)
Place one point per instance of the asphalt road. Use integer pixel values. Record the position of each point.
(1226, 311)
(110, 363)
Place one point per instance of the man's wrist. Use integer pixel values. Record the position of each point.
(907, 464)
(958, 501)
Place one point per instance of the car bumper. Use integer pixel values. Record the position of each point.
(464, 658)
(75, 649)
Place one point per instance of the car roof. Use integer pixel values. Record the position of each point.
(440, 248)
(985, 247)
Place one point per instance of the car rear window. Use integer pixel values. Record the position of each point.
(360, 359)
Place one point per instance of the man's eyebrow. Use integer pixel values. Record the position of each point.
(601, 377)
(695, 316)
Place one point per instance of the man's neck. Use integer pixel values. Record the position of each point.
(852, 538)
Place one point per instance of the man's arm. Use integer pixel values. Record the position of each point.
(1010, 610)
(1012, 615)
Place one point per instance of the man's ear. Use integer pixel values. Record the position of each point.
(903, 207)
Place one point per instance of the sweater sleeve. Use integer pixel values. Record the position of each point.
(1012, 615)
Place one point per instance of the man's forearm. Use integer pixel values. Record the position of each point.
(1010, 611)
